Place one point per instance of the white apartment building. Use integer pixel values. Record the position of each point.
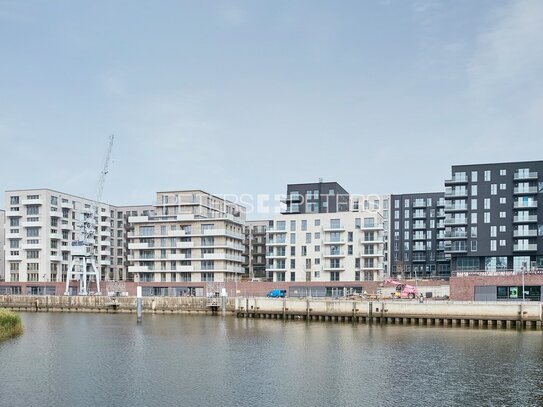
(337, 246)
(193, 236)
(42, 224)
(2, 242)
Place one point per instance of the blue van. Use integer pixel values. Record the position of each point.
(277, 293)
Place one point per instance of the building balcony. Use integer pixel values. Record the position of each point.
(375, 240)
(456, 249)
(456, 221)
(531, 247)
(31, 224)
(66, 205)
(276, 256)
(140, 269)
(139, 246)
(419, 226)
(39, 201)
(56, 236)
(517, 176)
(456, 194)
(525, 233)
(419, 248)
(525, 191)
(14, 214)
(419, 203)
(522, 205)
(456, 235)
(327, 242)
(338, 228)
(525, 219)
(274, 230)
(457, 180)
(456, 208)
(440, 236)
(419, 237)
(372, 227)
(32, 246)
(105, 243)
(184, 245)
(419, 215)
(440, 214)
(328, 268)
(275, 269)
(377, 253)
(65, 225)
(419, 259)
(276, 243)
(335, 254)
(55, 214)
(375, 267)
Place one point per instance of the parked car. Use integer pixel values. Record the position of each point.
(277, 293)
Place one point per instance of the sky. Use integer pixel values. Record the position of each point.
(241, 97)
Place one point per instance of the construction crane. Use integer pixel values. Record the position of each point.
(83, 262)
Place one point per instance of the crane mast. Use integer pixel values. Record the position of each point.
(83, 262)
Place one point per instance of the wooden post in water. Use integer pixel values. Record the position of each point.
(139, 300)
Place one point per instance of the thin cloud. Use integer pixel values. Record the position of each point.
(508, 59)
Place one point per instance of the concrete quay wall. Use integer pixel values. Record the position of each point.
(106, 304)
(510, 314)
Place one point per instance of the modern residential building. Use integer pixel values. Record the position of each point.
(191, 236)
(333, 246)
(418, 236)
(493, 218)
(40, 227)
(2, 243)
(254, 254)
(317, 197)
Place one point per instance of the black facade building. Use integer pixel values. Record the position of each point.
(418, 236)
(318, 197)
(493, 218)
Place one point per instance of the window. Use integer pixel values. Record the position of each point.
(502, 242)
(473, 245)
(487, 175)
(406, 214)
(493, 231)
(334, 276)
(304, 225)
(474, 176)
(486, 217)
(350, 249)
(474, 204)
(396, 203)
(493, 247)
(503, 187)
(317, 222)
(14, 200)
(503, 172)
(474, 231)
(487, 203)
(406, 203)
(292, 225)
(33, 210)
(317, 248)
(308, 237)
(292, 263)
(293, 238)
(503, 214)
(292, 276)
(503, 200)
(502, 228)
(474, 190)
(474, 218)
(317, 235)
(350, 236)
(493, 189)
(369, 222)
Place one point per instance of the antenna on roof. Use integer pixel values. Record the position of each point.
(320, 180)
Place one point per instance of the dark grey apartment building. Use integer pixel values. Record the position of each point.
(316, 197)
(254, 253)
(493, 218)
(418, 236)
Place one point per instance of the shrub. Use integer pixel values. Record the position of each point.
(10, 324)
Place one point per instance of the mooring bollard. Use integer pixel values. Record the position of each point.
(138, 303)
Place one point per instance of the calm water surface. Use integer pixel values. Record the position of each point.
(107, 360)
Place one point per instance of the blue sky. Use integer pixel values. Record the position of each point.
(245, 97)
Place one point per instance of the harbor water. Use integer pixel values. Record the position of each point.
(181, 360)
